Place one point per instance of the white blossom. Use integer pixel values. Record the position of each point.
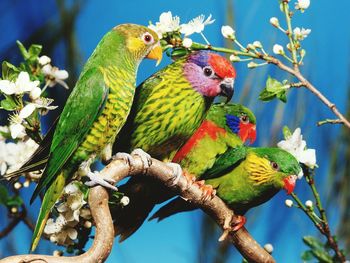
(196, 25)
(55, 75)
(288, 203)
(278, 49)
(43, 60)
(302, 33)
(21, 85)
(269, 248)
(227, 32)
(274, 21)
(308, 204)
(13, 155)
(295, 145)
(17, 130)
(61, 231)
(167, 23)
(27, 110)
(187, 42)
(302, 4)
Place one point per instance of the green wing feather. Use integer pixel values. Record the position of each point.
(228, 160)
(82, 109)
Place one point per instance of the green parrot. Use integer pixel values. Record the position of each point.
(94, 113)
(243, 177)
(225, 127)
(169, 106)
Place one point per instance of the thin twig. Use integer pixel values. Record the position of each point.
(330, 121)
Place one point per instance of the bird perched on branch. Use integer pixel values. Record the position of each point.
(94, 113)
(225, 127)
(243, 177)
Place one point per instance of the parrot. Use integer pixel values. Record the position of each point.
(224, 127)
(93, 115)
(168, 108)
(243, 177)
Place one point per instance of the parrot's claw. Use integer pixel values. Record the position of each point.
(97, 179)
(127, 158)
(190, 178)
(208, 192)
(145, 158)
(177, 171)
(232, 226)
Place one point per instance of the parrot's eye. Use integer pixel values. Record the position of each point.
(147, 38)
(244, 118)
(208, 71)
(274, 166)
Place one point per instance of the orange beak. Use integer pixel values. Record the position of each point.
(289, 184)
(156, 53)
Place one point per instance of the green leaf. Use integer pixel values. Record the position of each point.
(322, 256)
(307, 255)
(14, 201)
(313, 242)
(3, 195)
(34, 50)
(23, 50)
(9, 71)
(8, 104)
(274, 89)
(286, 132)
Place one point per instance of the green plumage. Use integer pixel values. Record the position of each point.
(95, 111)
(166, 112)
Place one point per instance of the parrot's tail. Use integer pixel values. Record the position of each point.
(175, 206)
(52, 194)
(144, 193)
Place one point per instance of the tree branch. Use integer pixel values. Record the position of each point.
(98, 201)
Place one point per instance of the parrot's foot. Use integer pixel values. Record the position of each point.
(177, 171)
(97, 179)
(208, 192)
(127, 158)
(145, 158)
(190, 178)
(232, 226)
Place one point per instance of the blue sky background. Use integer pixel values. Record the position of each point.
(326, 66)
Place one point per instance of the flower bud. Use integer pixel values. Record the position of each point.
(302, 4)
(288, 203)
(278, 49)
(14, 210)
(257, 44)
(252, 65)
(187, 42)
(43, 60)
(26, 183)
(124, 201)
(234, 58)
(17, 185)
(227, 32)
(274, 21)
(269, 248)
(87, 224)
(57, 253)
(308, 204)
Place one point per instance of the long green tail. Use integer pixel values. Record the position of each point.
(51, 196)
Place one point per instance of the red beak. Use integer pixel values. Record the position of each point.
(247, 132)
(289, 183)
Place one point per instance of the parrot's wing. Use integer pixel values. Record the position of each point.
(82, 109)
(226, 161)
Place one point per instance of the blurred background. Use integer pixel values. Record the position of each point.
(69, 31)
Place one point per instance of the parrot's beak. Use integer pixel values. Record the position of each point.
(289, 183)
(156, 53)
(247, 131)
(226, 87)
